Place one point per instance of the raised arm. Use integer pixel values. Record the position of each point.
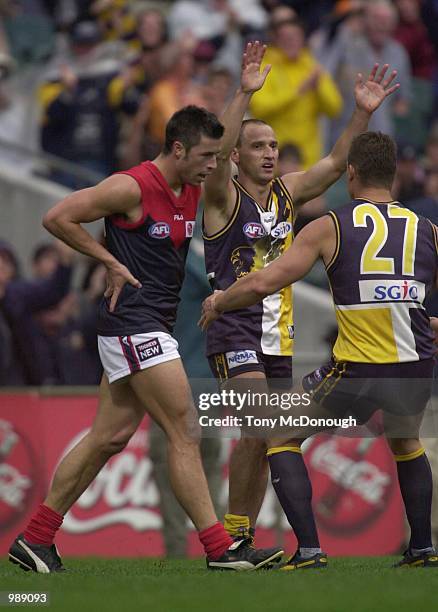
(217, 188)
(116, 194)
(369, 94)
(317, 239)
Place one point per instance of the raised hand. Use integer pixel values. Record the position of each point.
(370, 94)
(251, 78)
(117, 277)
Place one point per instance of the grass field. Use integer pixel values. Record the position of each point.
(106, 585)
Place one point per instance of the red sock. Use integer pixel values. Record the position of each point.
(215, 541)
(43, 526)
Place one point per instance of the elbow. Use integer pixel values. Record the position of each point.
(51, 221)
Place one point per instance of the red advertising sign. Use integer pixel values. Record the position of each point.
(356, 498)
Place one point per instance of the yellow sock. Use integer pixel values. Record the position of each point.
(235, 524)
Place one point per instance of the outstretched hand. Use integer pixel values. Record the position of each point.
(117, 277)
(370, 94)
(251, 78)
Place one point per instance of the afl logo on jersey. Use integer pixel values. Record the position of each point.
(281, 230)
(254, 230)
(159, 230)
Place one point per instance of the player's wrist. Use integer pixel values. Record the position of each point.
(217, 308)
(362, 112)
(245, 91)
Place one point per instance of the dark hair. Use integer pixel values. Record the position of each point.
(188, 125)
(43, 249)
(290, 150)
(374, 157)
(245, 123)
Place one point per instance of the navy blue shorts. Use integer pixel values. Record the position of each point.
(225, 366)
(359, 389)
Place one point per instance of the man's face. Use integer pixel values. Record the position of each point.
(46, 265)
(257, 155)
(380, 23)
(7, 270)
(196, 164)
(290, 39)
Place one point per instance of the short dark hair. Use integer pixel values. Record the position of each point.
(374, 157)
(43, 249)
(188, 125)
(244, 125)
(290, 150)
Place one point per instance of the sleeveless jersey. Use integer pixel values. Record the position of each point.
(384, 266)
(251, 240)
(154, 249)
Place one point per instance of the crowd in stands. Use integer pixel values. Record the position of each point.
(110, 73)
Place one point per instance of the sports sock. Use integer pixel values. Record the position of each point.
(292, 485)
(43, 526)
(235, 524)
(415, 479)
(306, 553)
(215, 541)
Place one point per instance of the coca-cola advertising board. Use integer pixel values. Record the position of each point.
(356, 498)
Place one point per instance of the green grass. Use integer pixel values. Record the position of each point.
(359, 584)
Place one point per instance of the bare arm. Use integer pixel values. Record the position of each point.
(304, 186)
(116, 194)
(217, 189)
(316, 240)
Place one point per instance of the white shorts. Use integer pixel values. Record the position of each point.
(124, 355)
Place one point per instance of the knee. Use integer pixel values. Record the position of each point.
(404, 446)
(111, 443)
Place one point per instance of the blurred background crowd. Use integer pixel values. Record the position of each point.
(86, 88)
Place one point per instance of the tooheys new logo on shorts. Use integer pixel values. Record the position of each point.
(391, 291)
(149, 349)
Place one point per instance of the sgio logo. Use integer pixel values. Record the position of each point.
(281, 230)
(159, 230)
(391, 291)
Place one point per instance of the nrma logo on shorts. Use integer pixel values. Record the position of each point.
(391, 291)
(238, 358)
(159, 230)
(254, 230)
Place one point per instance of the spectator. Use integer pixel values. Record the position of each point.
(217, 90)
(8, 272)
(408, 183)
(289, 160)
(81, 106)
(117, 20)
(19, 301)
(152, 36)
(209, 19)
(431, 161)
(413, 35)
(297, 92)
(175, 90)
(427, 206)
(352, 52)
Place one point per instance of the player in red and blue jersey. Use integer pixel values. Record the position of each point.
(149, 214)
